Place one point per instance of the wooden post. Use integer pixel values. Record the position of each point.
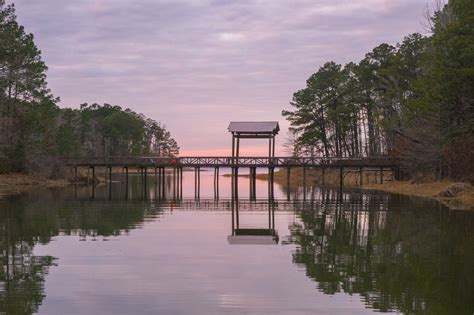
(110, 182)
(255, 183)
(233, 217)
(254, 174)
(237, 213)
(381, 175)
(199, 182)
(163, 183)
(93, 190)
(361, 174)
(181, 183)
(215, 170)
(288, 171)
(323, 176)
(195, 182)
(232, 177)
(75, 174)
(237, 151)
(268, 181)
(273, 149)
(217, 181)
(178, 182)
(269, 147)
(236, 183)
(250, 184)
(304, 183)
(273, 217)
(144, 182)
(272, 183)
(160, 183)
(126, 181)
(174, 183)
(178, 186)
(233, 149)
(269, 217)
(341, 177)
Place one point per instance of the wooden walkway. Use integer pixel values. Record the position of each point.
(177, 164)
(226, 161)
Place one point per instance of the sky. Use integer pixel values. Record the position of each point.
(196, 65)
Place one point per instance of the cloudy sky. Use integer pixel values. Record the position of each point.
(195, 65)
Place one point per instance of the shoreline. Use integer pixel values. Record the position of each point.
(452, 194)
(455, 195)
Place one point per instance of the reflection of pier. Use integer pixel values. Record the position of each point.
(282, 205)
(254, 236)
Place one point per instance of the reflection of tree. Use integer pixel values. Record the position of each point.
(25, 222)
(23, 274)
(406, 259)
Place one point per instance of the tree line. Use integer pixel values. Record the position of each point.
(414, 100)
(32, 125)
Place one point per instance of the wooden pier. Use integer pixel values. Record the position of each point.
(228, 161)
(177, 164)
(266, 130)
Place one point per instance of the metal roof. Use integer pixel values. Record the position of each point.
(254, 127)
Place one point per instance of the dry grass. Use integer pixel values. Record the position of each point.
(464, 199)
(408, 188)
(15, 183)
(467, 198)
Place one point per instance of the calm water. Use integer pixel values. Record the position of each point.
(64, 252)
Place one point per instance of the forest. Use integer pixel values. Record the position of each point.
(413, 101)
(34, 129)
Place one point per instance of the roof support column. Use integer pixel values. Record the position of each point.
(273, 149)
(237, 151)
(233, 147)
(269, 147)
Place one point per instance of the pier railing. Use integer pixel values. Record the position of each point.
(226, 161)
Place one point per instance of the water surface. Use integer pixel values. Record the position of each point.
(119, 251)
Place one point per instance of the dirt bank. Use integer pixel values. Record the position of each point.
(15, 183)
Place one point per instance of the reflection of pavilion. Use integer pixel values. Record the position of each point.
(252, 236)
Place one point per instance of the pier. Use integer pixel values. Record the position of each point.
(239, 131)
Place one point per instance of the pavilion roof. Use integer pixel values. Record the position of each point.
(254, 127)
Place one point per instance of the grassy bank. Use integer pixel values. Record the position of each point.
(16, 183)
